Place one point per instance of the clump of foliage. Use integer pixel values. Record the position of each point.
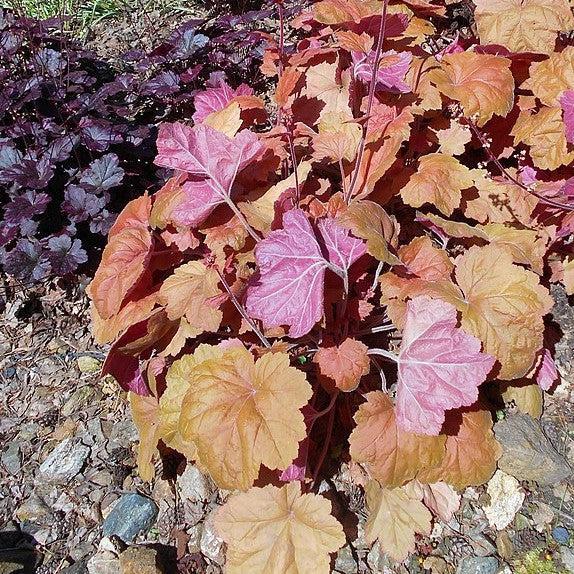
(342, 272)
(77, 134)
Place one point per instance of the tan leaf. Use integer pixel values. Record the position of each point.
(549, 78)
(569, 275)
(338, 137)
(528, 397)
(471, 453)
(355, 42)
(227, 121)
(323, 83)
(545, 133)
(523, 25)
(260, 212)
(339, 11)
(369, 221)
(453, 140)
(503, 306)
(455, 229)
(145, 412)
(186, 292)
(345, 364)
(274, 530)
(439, 180)
(482, 83)
(391, 455)
(394, 518)
(241, 414)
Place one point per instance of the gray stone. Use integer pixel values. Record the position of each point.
(33, 510)
(194, 485)
(478, 565)
(567, 556)
(527, 453)
(79, 399)
(132, 514)
(105, 560)
(11, 458)
(345, 562)
(64, 462)
(80, 567)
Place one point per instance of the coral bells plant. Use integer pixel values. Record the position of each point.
(355, 271)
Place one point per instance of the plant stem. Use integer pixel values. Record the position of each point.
(383, 353)
(504, 172)
(295, 167)
(242, 310)
(327, 441)
(372, 86)
(242, 220)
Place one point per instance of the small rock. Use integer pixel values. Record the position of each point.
(105, 560)
(506, 498)
(11, 458)
(378, 560)
(527, 453)
(140, 560)
(33, 510)
(477, 565)
(80, 567)
(132, 514)
(79, 399)
(193, 484)
(561, 535)
(345, 562)
(88, 364)
(64, 462)
(567, 556)
(211, 545)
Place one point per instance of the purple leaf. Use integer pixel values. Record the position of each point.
(567, 103)
(162, 84)
(81, 205)
(289, 287)
(65, 255)
(99, 135)
(103, 173)
(25, 206)
(27, 261)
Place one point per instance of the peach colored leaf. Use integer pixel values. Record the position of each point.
(338, 138)
(231, 233)
(545, 133)
(439, 366)
(286, 84)
(441, 499)
(523, 25)
(426, 261)
(549, 79)
(471, 453)
(439, 180)
(185, 293)
(345, 363)
(392, 455)
(145, 413)
(353, 42)
(216, 98)
(274, 530)
(453, 140)
(241, 414)
(260, 209)
(482, 83)
(395, 516)
(324, 83)
(289, 289)
(369, 221)
(340, 11)
(503, 306)
(123, 263)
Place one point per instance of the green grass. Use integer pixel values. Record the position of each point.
(84, 14)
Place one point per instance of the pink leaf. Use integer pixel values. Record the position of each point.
(439, 366)
(208, 154)
(546, 372)
(567, 102)
(442, 499)
(391, 73)
(216, 98)
(289, 290)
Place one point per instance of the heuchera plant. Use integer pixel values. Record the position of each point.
(347, 268)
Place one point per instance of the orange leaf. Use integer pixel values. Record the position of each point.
(394, 518)
(123, 263)
(549, 78)
(523, 25)
(482, 83)
(286, 84)
(369, 221)
(186, 292)
(391, 455)
(241, 414)
(145, 414)
(274, 530)
(471, 453)
(354, 42)
(545, 133)
(345, 364)
(503, 306)
(439, 180)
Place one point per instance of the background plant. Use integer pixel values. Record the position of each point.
(280, 305)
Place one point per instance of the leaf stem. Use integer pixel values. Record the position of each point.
(383, 353)
(295, 167)
(327, 440)
(242, 220)
(372, 86)
(504, 172)
(242, 310)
